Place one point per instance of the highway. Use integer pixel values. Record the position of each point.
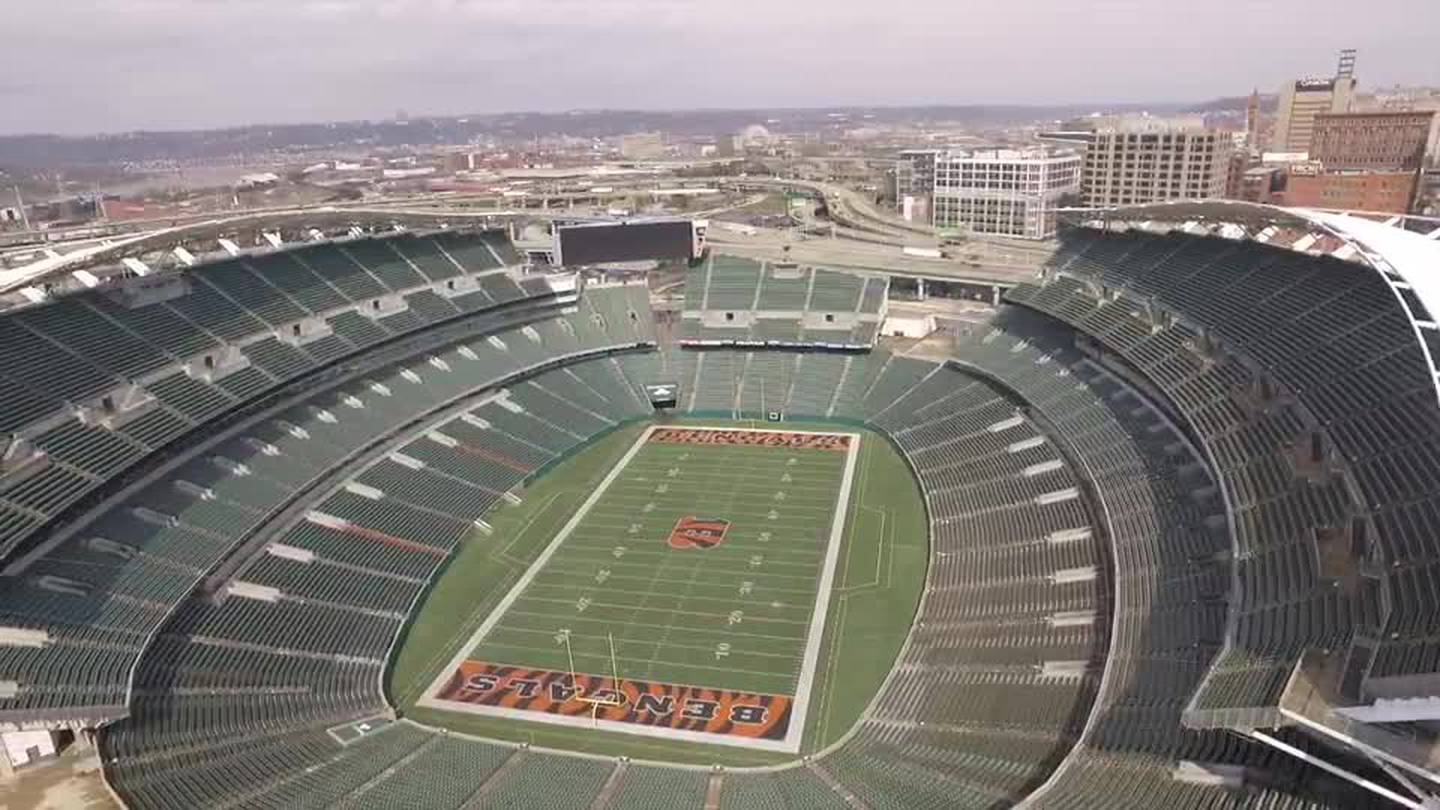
(770, 244)
(862, 234)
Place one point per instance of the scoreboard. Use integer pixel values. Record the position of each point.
(632, 241)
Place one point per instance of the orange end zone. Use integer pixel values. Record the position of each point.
(758, 438)
(664, 705)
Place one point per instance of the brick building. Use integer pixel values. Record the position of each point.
(1381, 140)
(1361, 190)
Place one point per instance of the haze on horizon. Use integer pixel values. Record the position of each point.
(72, 67)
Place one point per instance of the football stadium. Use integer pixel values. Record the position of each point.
(377, 514)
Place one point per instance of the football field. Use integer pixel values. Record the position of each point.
(686, 597)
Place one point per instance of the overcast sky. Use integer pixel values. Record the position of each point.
(76, 66)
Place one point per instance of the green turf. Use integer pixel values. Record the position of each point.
(877, 587)
(734, 616)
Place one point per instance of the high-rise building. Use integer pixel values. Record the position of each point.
(1138, 160)
(1303, 99)
(1385, 140)
(1006, 192)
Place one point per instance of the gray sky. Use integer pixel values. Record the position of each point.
(77, 66)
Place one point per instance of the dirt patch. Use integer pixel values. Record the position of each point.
(69, 782)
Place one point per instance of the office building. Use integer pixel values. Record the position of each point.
(1303, 99)
(1138, 160)
(1003, 191)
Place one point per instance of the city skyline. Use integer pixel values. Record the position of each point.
(171, 64)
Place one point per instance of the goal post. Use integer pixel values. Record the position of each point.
(600, 697)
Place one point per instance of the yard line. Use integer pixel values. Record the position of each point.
(696, 614)
(708, 474)
(760, 572)
(812, 488)
(577, 620)
(725, 549)
(676, 664)
(556, 570)
(694, 494)
(642, 552)
(689, 586)
(791, 656)
(733, 599)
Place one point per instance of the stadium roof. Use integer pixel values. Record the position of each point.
(114, 250)
(1414, 257)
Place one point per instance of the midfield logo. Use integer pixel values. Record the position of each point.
(697, 532)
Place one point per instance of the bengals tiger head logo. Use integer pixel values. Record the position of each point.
(698, 532)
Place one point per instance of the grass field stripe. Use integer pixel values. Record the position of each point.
(801, 704)
(539, 563)
(637, 552)
(790, 505)
(695, 568)
(708, 474)
(827, 699)
(677, 683)
(684, 595)
(738, 571)
(677, 664)
(658, 610)
(564, 572)
(760, 485)
(525, 529)
(879, 557)
(730, 547)
(745, 633)
(501, 628)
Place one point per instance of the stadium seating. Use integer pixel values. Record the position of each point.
(83, 585)
(732, 301)
(349, 598)
(320, 429)
(1160, 507)
(74, 359)
(1266, 380)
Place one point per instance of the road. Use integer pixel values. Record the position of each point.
(770, 244)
